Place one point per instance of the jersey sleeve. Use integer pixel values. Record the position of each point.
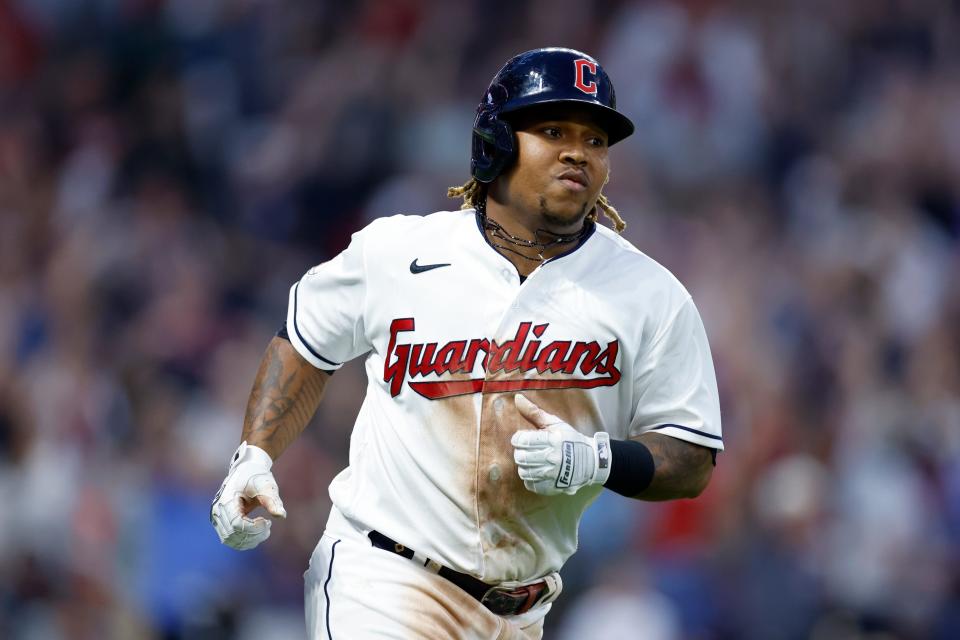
(676, 383)
(325, 313)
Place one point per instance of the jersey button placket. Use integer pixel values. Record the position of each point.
(498, 487)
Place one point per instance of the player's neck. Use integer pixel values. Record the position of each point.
(531, 227)
(526, 223)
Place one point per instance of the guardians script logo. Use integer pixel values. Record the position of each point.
(587, 364)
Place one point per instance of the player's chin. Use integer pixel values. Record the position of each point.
(567, 208)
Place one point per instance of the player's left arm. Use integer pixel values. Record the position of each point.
(681, 469)
(667, 452)
(554, 458)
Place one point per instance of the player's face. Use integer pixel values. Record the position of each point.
(561, 166)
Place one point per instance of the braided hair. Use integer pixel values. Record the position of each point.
(474, 194)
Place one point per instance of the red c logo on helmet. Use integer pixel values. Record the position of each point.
(579, 83)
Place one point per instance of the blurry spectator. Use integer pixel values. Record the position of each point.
(622, 606)
(166, 167)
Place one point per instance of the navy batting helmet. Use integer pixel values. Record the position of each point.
(541, 76)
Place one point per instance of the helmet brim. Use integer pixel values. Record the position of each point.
(616, 125)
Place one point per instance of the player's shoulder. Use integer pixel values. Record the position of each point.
(625, 261)
(437, 223)
(645, 291)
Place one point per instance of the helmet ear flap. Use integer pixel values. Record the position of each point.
(493, 148)
(493, 141)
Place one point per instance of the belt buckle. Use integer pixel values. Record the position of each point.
(503, 602)
(515, 601)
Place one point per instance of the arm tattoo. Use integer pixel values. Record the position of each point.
(683, 469)
(285, 395)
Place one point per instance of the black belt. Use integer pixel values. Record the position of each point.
(502, 601)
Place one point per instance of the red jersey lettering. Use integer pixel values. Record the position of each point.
(520, 354)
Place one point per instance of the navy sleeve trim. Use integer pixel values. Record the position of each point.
(696, 431)
(296, 291)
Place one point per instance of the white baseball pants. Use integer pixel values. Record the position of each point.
(354, 591)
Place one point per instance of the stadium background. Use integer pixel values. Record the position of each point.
(168, 168)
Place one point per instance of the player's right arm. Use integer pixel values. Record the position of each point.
(285, 395)
(324, 329)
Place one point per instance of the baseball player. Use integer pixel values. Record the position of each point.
(521, 358)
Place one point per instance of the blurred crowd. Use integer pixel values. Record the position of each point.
(169, 167)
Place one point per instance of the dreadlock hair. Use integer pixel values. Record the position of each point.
(474, 194)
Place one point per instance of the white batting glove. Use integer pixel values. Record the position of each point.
(249, 483)
(555, 458)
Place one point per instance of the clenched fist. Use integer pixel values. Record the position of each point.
(555, 458)
(249, 484)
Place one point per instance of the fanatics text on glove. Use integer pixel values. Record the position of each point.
(249, 484)
(555, 458)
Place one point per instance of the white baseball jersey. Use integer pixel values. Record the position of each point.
(602, 336)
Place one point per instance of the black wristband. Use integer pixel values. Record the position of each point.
(631, 468)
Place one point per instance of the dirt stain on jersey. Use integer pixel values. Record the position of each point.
(454, 422)
(485, 481)
(509, 515)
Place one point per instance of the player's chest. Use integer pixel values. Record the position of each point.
(452, 295)
(447, 331)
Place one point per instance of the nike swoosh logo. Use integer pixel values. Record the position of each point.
(420, 268)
